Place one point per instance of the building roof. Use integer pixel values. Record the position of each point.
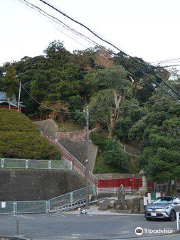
(12, 101)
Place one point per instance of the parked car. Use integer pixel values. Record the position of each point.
(164, 208)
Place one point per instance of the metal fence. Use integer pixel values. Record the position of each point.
(34, 164)
(11, 207)
(71, 199)
(63, 202)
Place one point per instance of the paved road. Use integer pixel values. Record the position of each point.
(75, 226)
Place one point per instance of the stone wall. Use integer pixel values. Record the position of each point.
(22, 185)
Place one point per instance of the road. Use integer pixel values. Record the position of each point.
(76, 226)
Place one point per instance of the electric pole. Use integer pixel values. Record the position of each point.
(87, 155)
(19, 96)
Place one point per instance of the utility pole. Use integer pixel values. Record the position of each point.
(19, 96)
(87, 155)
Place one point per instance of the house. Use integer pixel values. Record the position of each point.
(12, 103)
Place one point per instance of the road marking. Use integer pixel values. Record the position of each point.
(125, 231)
(23, 216)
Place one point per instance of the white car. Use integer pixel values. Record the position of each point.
(164, 208)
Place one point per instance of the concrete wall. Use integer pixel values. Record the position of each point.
(48, 126)
(37, 184)
(75, 147)
(78, 150)
(116, 175)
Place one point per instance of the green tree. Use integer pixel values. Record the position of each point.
(114, 156)
(159, 136)
(10, 82)
(115, 84)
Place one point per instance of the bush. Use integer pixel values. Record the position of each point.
(20, 138)
(113, 155)
(100, 138)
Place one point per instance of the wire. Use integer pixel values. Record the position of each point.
(37, 8)
(168, 60)
(58, 21)
(30, 94)
(147, 66)
(91, 110)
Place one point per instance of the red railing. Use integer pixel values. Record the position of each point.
(132, 182)
(77, 166)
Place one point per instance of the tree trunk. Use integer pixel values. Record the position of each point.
(115, 116)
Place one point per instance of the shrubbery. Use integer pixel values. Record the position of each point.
(20, 138)
(110, 152)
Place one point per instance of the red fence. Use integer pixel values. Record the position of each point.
(132, 182)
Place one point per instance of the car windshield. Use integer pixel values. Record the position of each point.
(163, 200)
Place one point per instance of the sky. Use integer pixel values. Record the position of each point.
(144, 28)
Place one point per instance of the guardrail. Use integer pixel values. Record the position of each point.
(64, 202)
(13, 163)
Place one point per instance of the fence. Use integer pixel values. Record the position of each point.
(34, 164)
(11, 207)
(134, 183)
(114, 190)
(62, 202)
(71, 199)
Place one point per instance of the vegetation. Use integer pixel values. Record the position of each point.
(20, 138)
(126, 106)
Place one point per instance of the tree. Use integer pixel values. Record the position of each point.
(113, 155)
(159, 136)
(114, 79)
(10, 82)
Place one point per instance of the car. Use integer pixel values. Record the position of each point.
(163, 208)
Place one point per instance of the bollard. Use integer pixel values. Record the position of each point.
(177, 220)
(17, 226)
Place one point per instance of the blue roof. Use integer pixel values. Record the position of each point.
(5, 99)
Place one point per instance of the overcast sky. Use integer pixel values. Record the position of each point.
(144, 28)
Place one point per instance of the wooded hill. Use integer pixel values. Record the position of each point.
(126, 101)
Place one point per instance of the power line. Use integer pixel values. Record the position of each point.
(142, 71)
(59, 22)
(168, 60)
(147, 66)
(91, 110)
(52, 17)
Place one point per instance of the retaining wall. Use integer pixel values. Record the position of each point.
(26, 185)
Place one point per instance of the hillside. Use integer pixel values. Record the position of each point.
(20, 138)
(128, 106)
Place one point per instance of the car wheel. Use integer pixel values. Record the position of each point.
(149, 219)
(172, 216)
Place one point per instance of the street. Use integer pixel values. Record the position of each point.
(76, 226)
